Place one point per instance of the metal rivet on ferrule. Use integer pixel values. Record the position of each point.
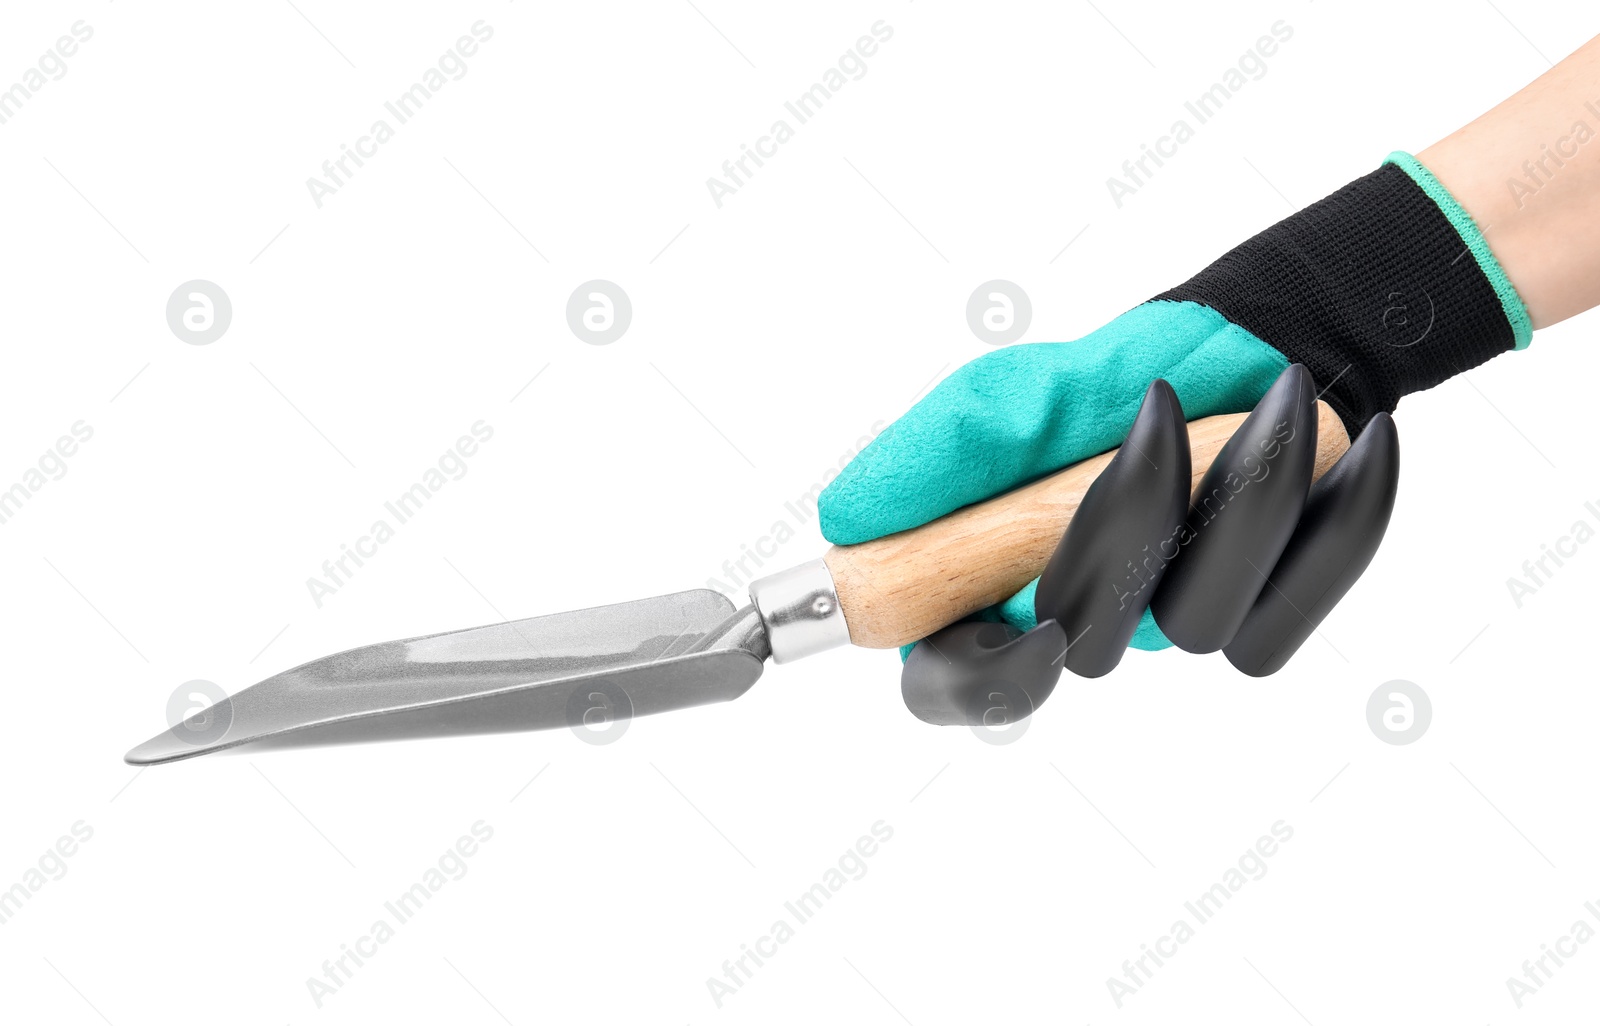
(800, 609)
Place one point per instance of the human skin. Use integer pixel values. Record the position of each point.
(1528, 172)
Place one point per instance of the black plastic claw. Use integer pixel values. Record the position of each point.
(1339, 533)
(1240, 518)
(982, 674)
(1105, 571)
(1248, 563)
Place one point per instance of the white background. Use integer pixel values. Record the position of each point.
(768, 336)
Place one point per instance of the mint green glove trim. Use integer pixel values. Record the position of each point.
(1467, 228)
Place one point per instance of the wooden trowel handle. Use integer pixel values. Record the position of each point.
(901, 588)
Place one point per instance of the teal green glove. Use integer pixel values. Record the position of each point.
(1328, 288)
(1026, 411)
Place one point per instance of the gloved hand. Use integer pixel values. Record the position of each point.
(1319, 288)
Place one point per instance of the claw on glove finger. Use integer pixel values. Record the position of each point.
(982, 674)
(1107, 567)
(1338, 534)
(1240, 518)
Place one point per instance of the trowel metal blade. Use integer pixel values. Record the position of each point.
(634, 658)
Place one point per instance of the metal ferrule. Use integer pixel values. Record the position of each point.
(801, 611)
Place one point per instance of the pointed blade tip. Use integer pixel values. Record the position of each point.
(164, 747)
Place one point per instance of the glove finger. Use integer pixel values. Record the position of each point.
(1106, 569)
(1242, 517)
(1018, 612)
(1338, 534)
(1343, 524)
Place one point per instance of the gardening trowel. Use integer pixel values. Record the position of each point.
(679, 650)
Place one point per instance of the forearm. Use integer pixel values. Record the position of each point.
(1528, 172)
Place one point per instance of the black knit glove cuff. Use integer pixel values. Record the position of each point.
(1384, 288)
